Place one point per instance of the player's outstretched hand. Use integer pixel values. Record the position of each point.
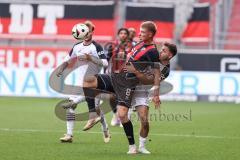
(156, 100)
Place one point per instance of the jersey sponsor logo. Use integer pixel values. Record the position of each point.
(100, 53)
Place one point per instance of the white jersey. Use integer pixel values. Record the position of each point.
(86, 68)
(79, 49)
(93, 49)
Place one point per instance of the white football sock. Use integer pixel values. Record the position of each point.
(142, 141)
(70, 127)
(70, 121)
(104, 122)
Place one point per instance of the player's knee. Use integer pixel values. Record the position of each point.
(90, 82)
(70, 111)
(86, 84)
(123, 117)
(143, 113)
(122, 113)
(74, 106)
(89, 78)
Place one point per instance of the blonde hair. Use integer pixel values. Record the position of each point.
(150, 26)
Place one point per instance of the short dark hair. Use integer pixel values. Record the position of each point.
(172, 47)
(150, 26)
(123, 29)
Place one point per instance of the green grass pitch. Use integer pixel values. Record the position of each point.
(29, 130)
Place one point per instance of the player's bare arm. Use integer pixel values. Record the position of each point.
(100, 62)
(156, 98)
(144, 79)
(62, 68)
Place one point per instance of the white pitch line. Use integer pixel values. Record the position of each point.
(93, 132)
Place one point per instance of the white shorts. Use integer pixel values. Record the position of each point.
(140, 96)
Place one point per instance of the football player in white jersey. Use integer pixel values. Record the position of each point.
(85, 49)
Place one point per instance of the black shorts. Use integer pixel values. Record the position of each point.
(104, 83)
(118, 84)
(124, 88)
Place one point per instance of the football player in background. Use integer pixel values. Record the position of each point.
(132, 35)
(117, 53)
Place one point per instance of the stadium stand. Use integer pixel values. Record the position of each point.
(212, 2)
(233, 32)
(223, 32)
